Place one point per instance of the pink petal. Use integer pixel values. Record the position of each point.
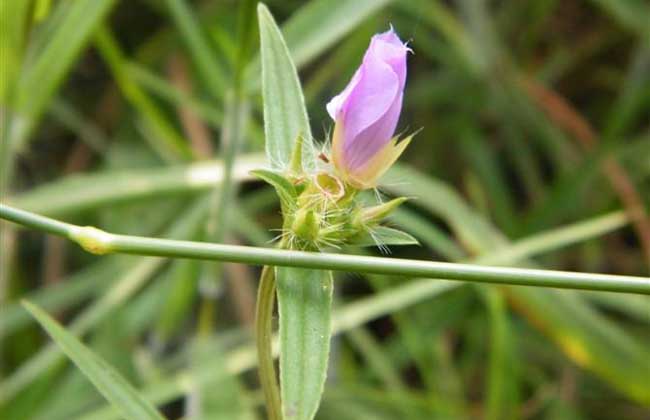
(371, 97)
(336, 103)
(367, 110)
(372, 139)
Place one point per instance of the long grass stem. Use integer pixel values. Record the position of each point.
(100, 242)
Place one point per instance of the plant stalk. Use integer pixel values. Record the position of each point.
(100, 242)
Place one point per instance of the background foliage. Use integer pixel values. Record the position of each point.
(535, 151)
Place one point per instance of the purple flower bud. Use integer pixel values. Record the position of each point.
(366, 113)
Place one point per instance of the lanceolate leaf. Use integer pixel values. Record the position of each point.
(105, 378)
(285, 116)
(304, 305)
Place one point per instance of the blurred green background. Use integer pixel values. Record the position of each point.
(534, 151)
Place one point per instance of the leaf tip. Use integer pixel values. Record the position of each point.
(262, 10)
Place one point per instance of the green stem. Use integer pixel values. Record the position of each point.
(264, 338)
(97, 241)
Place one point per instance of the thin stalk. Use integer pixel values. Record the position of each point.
(264, 339)
(100, 242)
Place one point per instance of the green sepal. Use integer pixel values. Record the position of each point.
(283, 187)
(382, 236)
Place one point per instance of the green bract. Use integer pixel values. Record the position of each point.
(319, 211)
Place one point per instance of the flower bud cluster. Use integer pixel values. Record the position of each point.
(327, 214)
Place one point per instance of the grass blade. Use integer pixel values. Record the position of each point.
(105, 378)
(42, 77)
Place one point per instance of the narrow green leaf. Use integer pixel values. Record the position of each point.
(42, 77)
(304, 307)
(285, 189)
(383, 235)
(105, 378)
(285, 116)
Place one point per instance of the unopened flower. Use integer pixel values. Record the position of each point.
(366, 113)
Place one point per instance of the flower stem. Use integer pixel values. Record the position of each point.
(264, 338)
(98, 241)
